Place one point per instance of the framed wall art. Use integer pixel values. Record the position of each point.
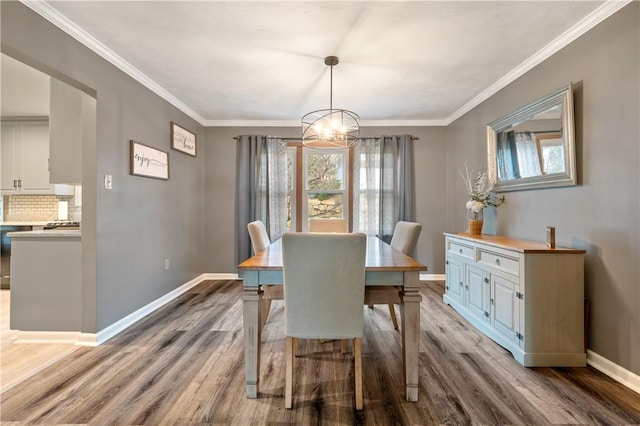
(183, 140)
(149, 162)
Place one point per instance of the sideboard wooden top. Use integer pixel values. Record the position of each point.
(524, 246)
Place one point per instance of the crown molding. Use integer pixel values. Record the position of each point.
(296, 123)
(69, 27)
(608, 8)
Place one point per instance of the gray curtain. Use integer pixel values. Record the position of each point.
(383, 185)
(397, 200)
(260, 188)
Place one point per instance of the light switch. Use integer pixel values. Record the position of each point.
(108, 182)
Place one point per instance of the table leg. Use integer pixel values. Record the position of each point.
(410, 317)
(252, 328)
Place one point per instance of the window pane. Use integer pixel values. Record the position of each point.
(325, 171)
(325, 206)
(553, 158)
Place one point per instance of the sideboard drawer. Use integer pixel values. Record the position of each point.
(461, 250)
(498, 261)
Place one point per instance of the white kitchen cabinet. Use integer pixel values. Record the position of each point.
(525, 296)
(24, 156)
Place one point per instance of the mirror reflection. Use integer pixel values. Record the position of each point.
(533, 146)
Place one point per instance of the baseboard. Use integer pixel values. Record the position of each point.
(118, 326)
(212, 276)
(95, 339)
(616, 372)
(431, 277)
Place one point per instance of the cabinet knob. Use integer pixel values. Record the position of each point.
(497, 261)
(460, 250)
(491, 300)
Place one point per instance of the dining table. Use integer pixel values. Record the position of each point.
(385, 268)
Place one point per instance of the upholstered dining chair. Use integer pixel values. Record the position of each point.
(259, 236)
(260, 241)
(324, 279)
(404, 239)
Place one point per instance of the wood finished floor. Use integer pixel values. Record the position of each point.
(183, 364)
(20, 361)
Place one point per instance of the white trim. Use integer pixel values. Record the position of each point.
(296, 123)
(218, 276)
(69, 27)
(607, 9)
(95, 339)
(118, 326)
(431, 277)
(616, 372)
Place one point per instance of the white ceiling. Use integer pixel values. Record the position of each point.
(262, 62)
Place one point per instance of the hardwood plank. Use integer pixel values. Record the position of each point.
(183, 364)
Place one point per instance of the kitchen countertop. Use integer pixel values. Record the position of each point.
(49, 233)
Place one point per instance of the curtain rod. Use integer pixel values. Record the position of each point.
(414, 138)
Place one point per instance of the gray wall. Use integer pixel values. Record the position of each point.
(600, 215)
(220, 190)
(129, 231)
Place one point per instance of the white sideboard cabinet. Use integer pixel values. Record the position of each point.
(525, 296)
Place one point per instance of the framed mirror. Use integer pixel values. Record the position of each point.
(534, 146)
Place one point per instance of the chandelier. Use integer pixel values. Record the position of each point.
(330, 128)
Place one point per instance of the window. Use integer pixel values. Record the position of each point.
(325, 195)
(318, 185)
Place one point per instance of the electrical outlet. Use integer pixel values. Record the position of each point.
(166, 264)
(108, 182)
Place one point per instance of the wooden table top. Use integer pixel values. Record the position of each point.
(380, 257)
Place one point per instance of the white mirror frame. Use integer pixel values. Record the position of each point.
(562, 97)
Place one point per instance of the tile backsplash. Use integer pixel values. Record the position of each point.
(38, 207)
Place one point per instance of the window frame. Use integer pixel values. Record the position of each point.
(299, 207)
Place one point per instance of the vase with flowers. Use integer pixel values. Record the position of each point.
(479, 198)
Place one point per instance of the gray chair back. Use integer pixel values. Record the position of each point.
(259, 237)
(405, 237)
(324, 278)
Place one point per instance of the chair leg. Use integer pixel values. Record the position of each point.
(357, 355)
(296, 346)
(288, 381)
(265, 307)
(392, 312)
